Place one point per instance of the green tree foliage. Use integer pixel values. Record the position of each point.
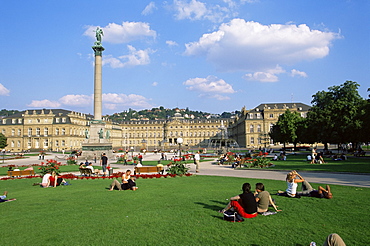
(285, 129)
(335, 116)
(160, 113)
(5, 112)
(3, 139)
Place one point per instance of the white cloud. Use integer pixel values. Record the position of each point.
(116, 101)
(124, 33)
(110, 101)
(295, 72)
(134, 58)
(154, 83)
(267, 76)
(219, 97)
(197, 10)
(44, 104)
(149, 9)
(253, 47)
(3, 90)
(210, 87)
(171, 43)
(76, 100)
(194, 10)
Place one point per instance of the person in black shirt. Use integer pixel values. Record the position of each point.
(245, 204)
(104, 163)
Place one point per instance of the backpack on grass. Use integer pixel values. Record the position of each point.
(233, 216)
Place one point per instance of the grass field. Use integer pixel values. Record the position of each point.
(298, 162)
(174, 211)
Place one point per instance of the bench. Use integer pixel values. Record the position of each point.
(86, 171)
(21, 173)
(151, 169)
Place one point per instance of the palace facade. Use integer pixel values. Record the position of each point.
(251, 129)
(58, 129)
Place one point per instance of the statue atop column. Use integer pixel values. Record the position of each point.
(98, 34)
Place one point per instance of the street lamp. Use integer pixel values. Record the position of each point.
(180, 141)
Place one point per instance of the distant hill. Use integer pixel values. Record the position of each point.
(163, 113)
(5, 112)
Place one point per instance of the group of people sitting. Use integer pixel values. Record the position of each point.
(52, 180)
(89, 165)
(248, 205)
(128, 182)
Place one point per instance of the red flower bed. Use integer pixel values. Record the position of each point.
(115, 175)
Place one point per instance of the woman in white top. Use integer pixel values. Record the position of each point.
(292, 183)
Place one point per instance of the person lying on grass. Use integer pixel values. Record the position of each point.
(245, 204)
(3, 198)
(292, 183)
(307, 190)
(128, 182)
(263, 199)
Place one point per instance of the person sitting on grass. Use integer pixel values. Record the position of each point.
(245, 204)
(45, 180)
(307, 190)
(3, 198)
(263, 199)
(56, 180)
(128, 182)
(292, 183)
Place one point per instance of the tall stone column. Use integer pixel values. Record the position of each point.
(98, 49)
(98, 139)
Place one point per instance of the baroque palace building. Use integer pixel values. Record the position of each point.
(58, 129)
(251, 129)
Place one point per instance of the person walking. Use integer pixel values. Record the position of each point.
(104, 163)
(196, 161)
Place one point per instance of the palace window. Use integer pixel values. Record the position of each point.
(38, 131)
(29, 131)
(251, 128)
(258, 128)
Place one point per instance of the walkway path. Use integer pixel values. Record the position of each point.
(209, 168)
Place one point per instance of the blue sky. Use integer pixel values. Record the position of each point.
(212, 56)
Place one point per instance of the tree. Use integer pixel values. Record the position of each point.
(3, 140)
(285, 129)
(335, 114)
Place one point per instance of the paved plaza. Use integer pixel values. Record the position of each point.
(212, 169)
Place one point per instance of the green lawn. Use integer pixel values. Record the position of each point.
(298, 162)
(174, 211)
